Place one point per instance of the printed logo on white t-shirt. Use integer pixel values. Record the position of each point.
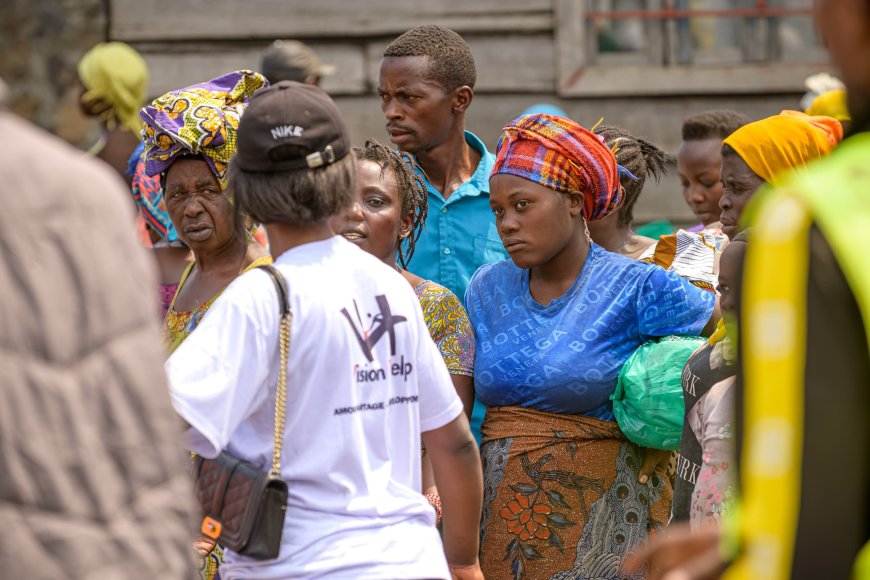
(382, 324)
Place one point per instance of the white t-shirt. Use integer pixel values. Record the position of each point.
(364, 379)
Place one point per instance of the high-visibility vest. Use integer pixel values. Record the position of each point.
(833, 193)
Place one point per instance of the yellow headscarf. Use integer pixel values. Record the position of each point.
(832, 103)
(776, 145)
(116, 74)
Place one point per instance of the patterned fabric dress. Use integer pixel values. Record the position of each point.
(561, 497)
(177, 326)
(167, 295)
(449, 327)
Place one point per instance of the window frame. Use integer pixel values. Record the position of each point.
(578, 77)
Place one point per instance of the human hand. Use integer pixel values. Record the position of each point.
(204, 546)
(469, 572)
(680, 554)
(653, 458)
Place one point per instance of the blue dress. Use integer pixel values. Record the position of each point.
(565, 357)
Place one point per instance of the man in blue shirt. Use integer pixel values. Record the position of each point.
(426, 84)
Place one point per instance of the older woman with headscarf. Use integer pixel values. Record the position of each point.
(113, 79)
(766, 151)
(190, 136)
(566, 494)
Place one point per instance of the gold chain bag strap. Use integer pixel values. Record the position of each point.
(244, 506)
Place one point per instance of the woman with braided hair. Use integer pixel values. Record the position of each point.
(385, 220)
(638, 159)
(566, 494)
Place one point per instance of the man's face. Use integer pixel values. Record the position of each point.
(419, 112)
(845, 29)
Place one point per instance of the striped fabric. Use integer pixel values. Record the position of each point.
(691, 255)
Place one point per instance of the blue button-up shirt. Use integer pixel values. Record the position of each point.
(460, 234)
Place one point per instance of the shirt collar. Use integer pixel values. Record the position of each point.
(478, 183)
(480, 178)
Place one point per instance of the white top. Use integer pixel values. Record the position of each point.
(364, 379)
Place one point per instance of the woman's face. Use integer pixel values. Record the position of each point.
(698, 165)
(739, 183)
(374, 221)
(535, 222)
(201, 213)
(730, 267)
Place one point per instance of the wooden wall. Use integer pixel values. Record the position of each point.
(524, 49)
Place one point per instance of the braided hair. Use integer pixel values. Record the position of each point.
(414, 198)
(640, 158)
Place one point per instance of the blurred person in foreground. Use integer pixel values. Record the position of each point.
(93, 484)
(364, 377)
(805, 363)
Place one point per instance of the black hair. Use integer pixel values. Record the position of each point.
(451, 63)
(638, 156)
(303, 196)
(414, 198)
(716, 124)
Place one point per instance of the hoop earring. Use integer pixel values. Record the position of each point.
(586, 231)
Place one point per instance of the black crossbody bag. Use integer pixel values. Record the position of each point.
(244, 506)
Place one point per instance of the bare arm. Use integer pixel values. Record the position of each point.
(428, 476)
(459, 475)
(464, 386)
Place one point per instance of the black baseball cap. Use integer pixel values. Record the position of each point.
(290, 126)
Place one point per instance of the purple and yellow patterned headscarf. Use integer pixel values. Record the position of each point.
(198, 120)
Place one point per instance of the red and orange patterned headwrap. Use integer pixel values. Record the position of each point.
(560, 154)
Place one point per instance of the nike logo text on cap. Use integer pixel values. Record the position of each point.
(286, 131)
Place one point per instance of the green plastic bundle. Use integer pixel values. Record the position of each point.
(648, 400)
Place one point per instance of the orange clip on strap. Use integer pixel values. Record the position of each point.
(211, 528)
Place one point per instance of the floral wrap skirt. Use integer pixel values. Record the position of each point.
(561, 496)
